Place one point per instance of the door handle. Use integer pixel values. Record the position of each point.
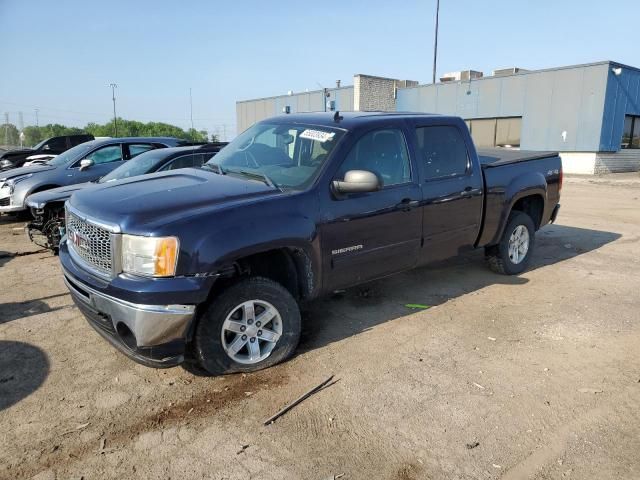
(407, 204)
(467, 191)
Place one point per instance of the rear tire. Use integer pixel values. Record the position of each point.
(236, 332)
(511, 256)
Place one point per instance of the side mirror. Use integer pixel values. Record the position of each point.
(357, 181)
(86, 163)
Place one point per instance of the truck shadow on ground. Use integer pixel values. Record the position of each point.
(23, 369)
(361, 308)
(15, 310)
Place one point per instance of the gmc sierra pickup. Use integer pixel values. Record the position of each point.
(209, 265)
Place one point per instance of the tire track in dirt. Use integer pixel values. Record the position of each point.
(126, 426)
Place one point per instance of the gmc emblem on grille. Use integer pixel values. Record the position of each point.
(82, 243)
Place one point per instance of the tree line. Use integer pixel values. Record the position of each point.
(10, 135)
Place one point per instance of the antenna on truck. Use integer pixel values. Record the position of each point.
(337, 117)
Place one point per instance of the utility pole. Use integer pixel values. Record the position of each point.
(435, 43)
(115, 118)
(191, 108)
(6, 128)
(37, 110)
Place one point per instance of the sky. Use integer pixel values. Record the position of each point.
(60, 56)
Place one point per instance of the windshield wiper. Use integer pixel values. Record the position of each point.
(255, 175)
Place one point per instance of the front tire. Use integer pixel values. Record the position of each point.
(511, 256)
(252, 325)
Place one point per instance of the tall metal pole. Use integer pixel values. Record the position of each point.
(435, 43)
(115, 118)
(6, 128)
(191, 108)
(37, 123)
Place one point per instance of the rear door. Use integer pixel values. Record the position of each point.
(369, 235)
(452, 191)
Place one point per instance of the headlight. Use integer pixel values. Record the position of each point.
(12, 181)
(149, 256)
(6, 163)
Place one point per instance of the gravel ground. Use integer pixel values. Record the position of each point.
(536, 376)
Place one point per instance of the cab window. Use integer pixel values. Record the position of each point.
(383, 152)
(442, 152)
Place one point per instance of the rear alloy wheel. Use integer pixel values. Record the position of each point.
(252, 325)
(511, 256)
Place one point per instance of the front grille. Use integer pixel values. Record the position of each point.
(4, 202)
(90, 242)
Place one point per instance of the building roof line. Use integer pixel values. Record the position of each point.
(329, 89)
(529, 72)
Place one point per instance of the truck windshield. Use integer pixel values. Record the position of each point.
(289, 155)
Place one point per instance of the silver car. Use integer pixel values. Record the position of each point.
(84, 163)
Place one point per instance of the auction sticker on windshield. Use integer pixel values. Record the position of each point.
(317, 135)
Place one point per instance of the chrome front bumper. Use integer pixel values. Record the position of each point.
(151, 325)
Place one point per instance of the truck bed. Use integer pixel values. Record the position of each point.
(495, 157)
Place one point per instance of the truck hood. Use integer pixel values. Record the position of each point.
(16, 172)
(147, 202)
(60, 194)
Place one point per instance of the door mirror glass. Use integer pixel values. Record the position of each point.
(86, 163)
(357, 181)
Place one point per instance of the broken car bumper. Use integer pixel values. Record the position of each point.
(154, 335)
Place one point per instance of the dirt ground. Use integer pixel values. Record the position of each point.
(536, 376)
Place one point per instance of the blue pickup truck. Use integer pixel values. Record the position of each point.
(210, 265)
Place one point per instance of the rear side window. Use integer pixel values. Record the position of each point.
(136, 149)
(442, 151)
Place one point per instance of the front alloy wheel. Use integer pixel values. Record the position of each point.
(251, 331)
(251, 325)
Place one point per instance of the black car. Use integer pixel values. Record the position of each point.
(47, 207)
(51, 146)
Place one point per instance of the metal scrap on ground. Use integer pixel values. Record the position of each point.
(298, 400)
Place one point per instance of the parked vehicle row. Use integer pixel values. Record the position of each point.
(209, 266)
(45, 150)
(47, 207)
(83, 163)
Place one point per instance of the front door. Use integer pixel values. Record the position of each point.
(105, 159)
(370, 235)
